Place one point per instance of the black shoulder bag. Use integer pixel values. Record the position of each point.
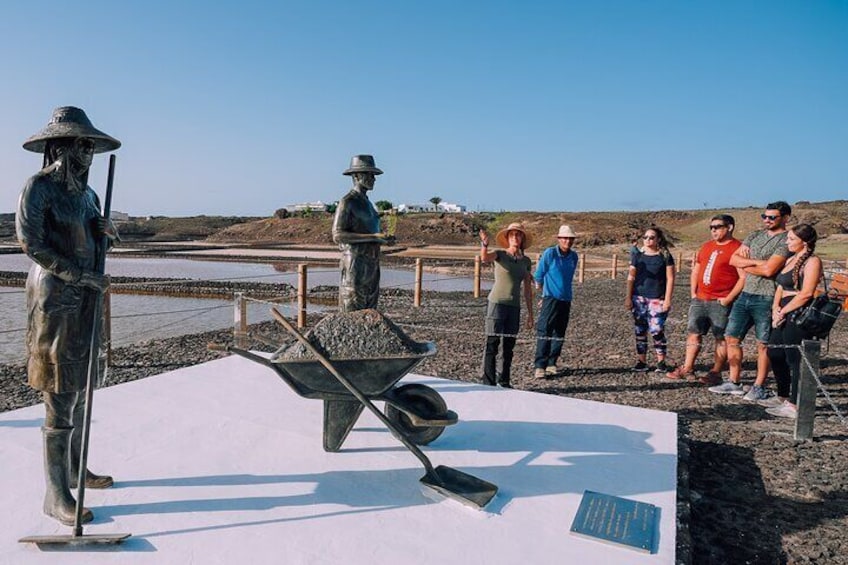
(819, 315)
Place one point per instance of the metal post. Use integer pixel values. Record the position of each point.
(301, 295)
(477, 271)
(107, 325)
(810, 352)
(581, 269)
(240, 321)
(614, 270)
(418, 270)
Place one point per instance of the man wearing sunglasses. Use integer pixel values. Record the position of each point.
(714, 285)
(761, 255)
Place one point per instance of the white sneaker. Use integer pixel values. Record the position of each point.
(785, 410)
(552, 370)
(728, 387)
(539, 373)
(772, 401)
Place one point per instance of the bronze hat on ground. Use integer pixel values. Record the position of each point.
(362, 164)
(69, 122)
(503, 240)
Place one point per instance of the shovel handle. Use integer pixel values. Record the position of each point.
(356, 392)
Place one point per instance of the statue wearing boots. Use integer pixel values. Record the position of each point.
(59, 226)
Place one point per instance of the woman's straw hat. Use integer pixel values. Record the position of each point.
(503, 240)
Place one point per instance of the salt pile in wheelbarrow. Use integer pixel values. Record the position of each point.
(362, 334)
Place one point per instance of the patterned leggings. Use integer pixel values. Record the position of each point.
(648, 317)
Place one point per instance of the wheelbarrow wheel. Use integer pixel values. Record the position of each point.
(424, 402)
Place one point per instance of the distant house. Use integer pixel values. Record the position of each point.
(447, 207)
(119, 216)
(310, 206)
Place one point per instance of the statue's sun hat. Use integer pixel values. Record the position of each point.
(69, 122)
(362, 164)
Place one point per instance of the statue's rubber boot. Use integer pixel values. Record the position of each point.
(58, 502)
(92, 480)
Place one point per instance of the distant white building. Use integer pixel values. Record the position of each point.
(447, 207)
(119, 216)
(304, 206)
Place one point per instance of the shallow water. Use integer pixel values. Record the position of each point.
(136, 318)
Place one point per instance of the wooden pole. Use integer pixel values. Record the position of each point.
(240, 321)
(581, 269)
(693, 260)
(477, 272)
(301, 295)
(679, 263)
(107, 325)
(811, 351)
(614, 270)
(418, 272)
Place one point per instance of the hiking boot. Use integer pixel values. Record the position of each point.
(785, 410)
(640, 367)
(711, 379)
(663, 367)
(756, 394)
(679, 374)
(539, 373)
(728, 387)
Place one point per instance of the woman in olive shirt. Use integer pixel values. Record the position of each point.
(512, 268)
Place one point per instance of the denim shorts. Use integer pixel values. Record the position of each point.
(750, 310)
(705, 315)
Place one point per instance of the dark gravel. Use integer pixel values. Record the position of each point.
(748, 492)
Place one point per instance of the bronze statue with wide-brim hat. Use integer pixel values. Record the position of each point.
(356, 228)
(60, 227)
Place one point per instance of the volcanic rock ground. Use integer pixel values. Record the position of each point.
(748, 492)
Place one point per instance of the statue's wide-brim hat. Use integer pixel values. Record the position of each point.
(503, 239)
(69, 122)
(362, 164)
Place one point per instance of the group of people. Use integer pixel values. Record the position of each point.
(762, 282)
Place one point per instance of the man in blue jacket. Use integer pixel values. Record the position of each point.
(554, 275)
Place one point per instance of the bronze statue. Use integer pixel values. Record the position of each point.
(356, 228)
(60, 227)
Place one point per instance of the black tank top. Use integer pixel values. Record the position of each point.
(785, 280)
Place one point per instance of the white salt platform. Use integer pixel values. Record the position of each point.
(222, 463)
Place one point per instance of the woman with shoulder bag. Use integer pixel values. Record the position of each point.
(796, 287)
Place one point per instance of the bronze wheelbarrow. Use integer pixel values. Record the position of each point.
(414, 413)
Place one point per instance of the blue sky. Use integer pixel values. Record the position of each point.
(239, 108)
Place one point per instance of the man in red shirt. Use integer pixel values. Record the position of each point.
(714, 284)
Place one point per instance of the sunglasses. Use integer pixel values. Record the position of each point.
(769, 217)
(649, 237)
(717, 226)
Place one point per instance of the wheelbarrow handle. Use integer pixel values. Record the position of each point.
(356, 392)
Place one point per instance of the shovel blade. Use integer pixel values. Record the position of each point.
(462, 487)
(70, 539)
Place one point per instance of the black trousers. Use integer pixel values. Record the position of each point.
(786, 362)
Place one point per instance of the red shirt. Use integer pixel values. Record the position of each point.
(717, 278)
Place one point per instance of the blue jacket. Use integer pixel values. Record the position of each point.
(555, 272)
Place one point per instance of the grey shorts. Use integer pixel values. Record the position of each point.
(706, 315)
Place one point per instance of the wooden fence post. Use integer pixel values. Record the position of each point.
(614, 270)
(810, 351)
(301, 295)
(679, 262)
(477, 272)
(581, 268)
(417, 297)
(240, 321)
